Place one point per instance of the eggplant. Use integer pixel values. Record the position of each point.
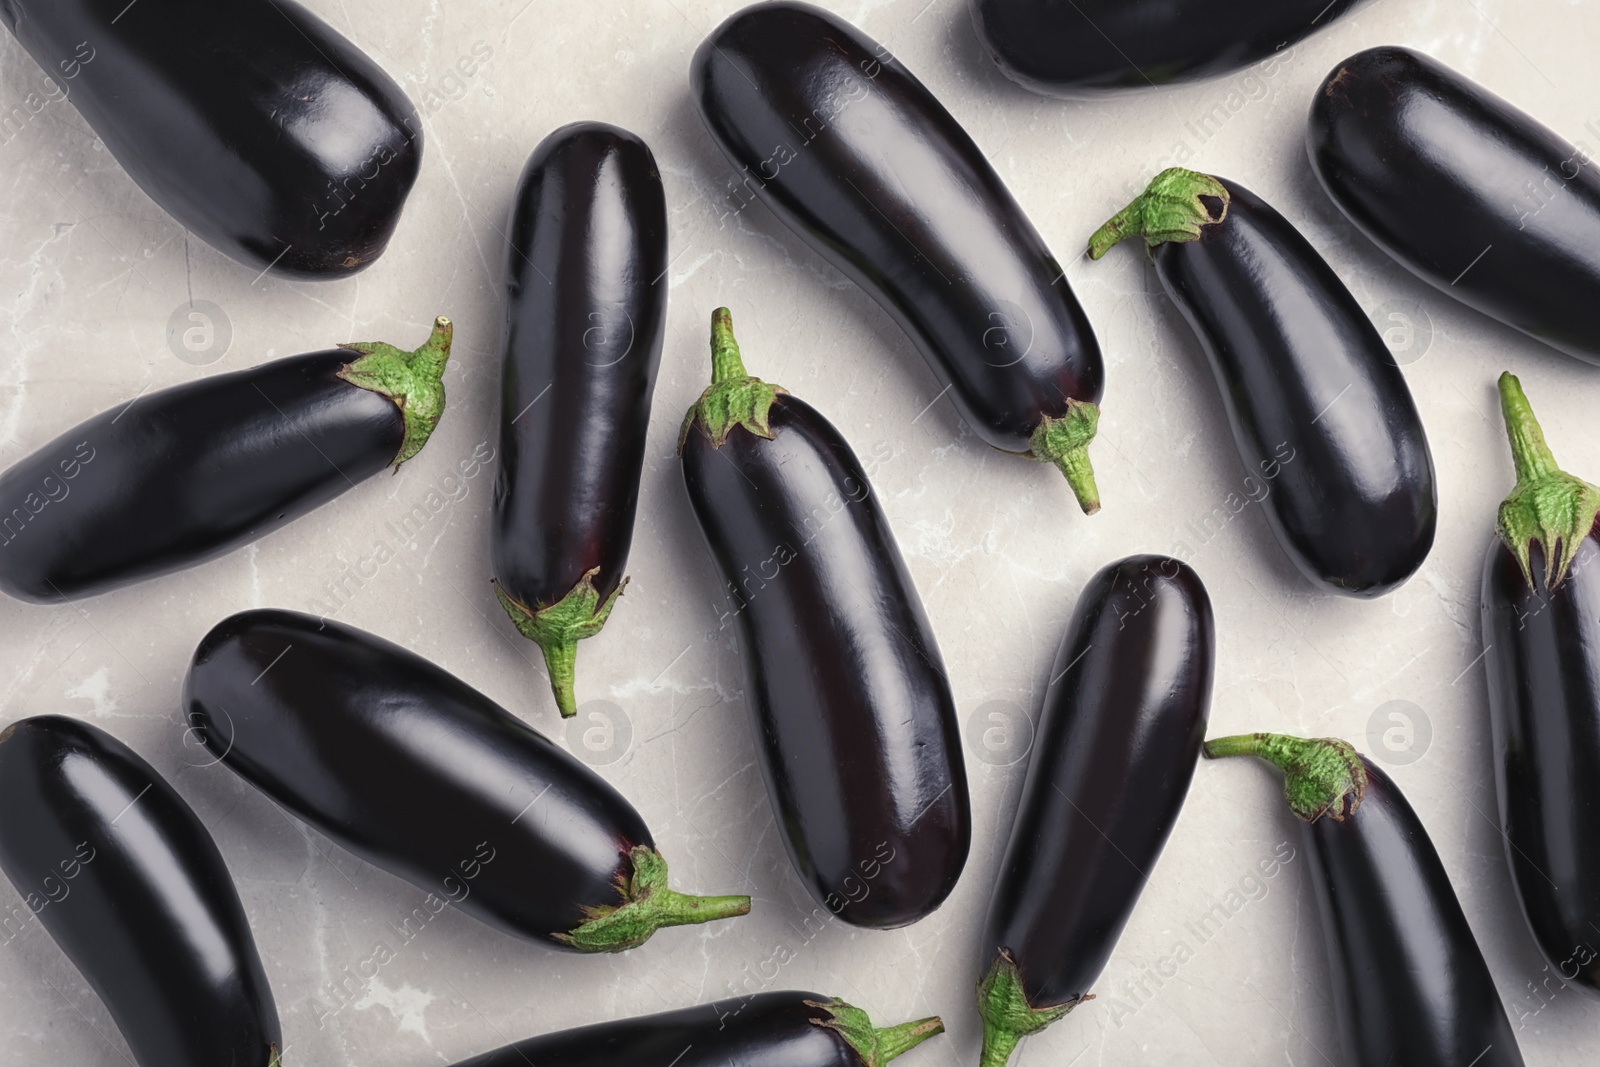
(1409, 981)
(854, 154)
(1088, 48)
(1317, 404)
(1116, 746)
(421, 775)
(784, 1029)
(584, 314)
(253, 123)
(848, 698)
(1471, 195)
(124, 876)
(193, 472)
(1541, 603)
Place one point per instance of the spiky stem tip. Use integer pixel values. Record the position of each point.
(875, 1046)
(1321, 775)
(414, 380)
(1169, 209)
(557, 629)
(648, 905)
(733, 398)
(1064, 441)
(1007, 1016)
(1547, 506)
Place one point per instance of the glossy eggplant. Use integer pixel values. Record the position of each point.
(585, 305)
(783, 1029)
(1468, 193)
(1541, 638)
(189, 473)
(278, 142)
(124, 876)
(849, 702)
(1319, 408)
(851, 151)
(1116, 746)
(420, 774)
(1409, 981)
(1089, 48)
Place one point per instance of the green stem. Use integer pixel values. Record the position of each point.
(1321, 775)
(874, 1046)
(1064, 441)
(647, 906)
(1007, 1016)
(733, 398)
(413, 380)
(1547, 506)
(557, 629)
(273, 1060)
(1170, 209)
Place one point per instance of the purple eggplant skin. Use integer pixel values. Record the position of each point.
(418, 773)
(854, 155)
(1471, 195)
(779, 1029)
(125, 877)
(850, 707)
(586, 300)
(1092, 48)
(279, 143)
(1116, 745)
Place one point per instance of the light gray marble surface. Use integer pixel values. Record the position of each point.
(91, 270)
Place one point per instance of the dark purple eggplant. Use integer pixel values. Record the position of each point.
(1316, 401)
(1541, 638)
(126, 879)
(585, 306)
(855, 155)
(190, 473)
(420, 774)
(1469, 194)
(1409, 983)
(1085, 48)
(1117, 743)
(253, 123)
(848, 698)
(765, 1030)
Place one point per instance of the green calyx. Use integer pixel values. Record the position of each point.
(1321, 775)
(413, 380)
(733, 398)
(647, 906)
(558, 628)
(1064, 441)
(1170, 209)
(876, 1047)
(273, 1059)
(1007, 1016)
(1548, 506)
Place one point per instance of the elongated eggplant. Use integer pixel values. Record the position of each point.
(1409, 982)
(190, 473)
(278, 142)
(768, 1029)
(1541, 637)
(1317, 403)
(126, 879)
(1093, 47)
(1117, 743)
(1468, 193)
(848, 698)
(585, 306)
(420, 774)
(850, 150)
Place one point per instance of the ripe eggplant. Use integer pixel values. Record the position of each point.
(1409, 982)
(1541, 605)
(1117, 743)
(584, 314)
(124, 876)
(769, 1029)
(850, 150)
(1316, 402)
(276, 141)
(1090, 48)
(1469, 194)
(190, 473)
(420, 774)
(848, 697)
